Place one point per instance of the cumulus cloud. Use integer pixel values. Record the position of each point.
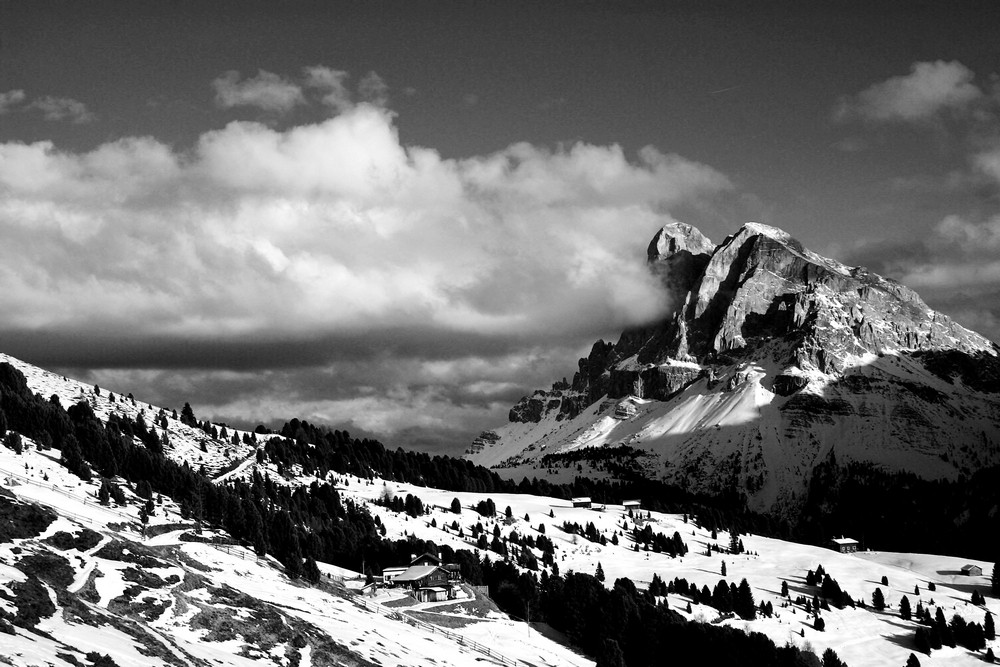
(322, 243)
(10, 100)
(929, 89)
(328, 227)
(332, 86)
(266, 91)
(373, 89)
(316, 84)
(63, 108)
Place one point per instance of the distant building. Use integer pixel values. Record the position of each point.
(971, 570)
(433, 594)
(422, 576)
(424, 559)
(390, 573)
(634, 505)
(583, 501)
(844, 545)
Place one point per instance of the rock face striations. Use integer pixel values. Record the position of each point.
(773, 359)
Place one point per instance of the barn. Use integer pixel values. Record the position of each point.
(844, 545)
(422, 576)
(971, 570)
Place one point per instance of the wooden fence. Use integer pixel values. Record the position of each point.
(86, 500)
(463, 641)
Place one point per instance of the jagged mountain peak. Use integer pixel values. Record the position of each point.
(677, 237)
(772, 358)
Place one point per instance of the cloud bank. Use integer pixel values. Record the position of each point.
(264, 251)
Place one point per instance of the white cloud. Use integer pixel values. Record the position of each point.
(63, 108)
(988, 162)
(10, 99)
(329, 228)
(373, 89)
(331, 83)
(266, 91)
(929, 88)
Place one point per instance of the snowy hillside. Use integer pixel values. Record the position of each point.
(77, 577)
(184, 443)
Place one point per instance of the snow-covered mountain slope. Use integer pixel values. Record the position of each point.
(773, 359)
(77, 577)
(184, 443)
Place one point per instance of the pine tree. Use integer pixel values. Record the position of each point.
(990, 658)
(744, 602)
(912, 661)
(784, 589)
(878, 600)
(819, 625)
(310, 571)
(831, 659)
(104, 495)
(187, 415)
(600, 573)
(72, 458)
(723, 569)
(904, 608)
(922, 641)
(989, 630)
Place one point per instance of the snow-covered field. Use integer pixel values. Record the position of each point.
(860, 636)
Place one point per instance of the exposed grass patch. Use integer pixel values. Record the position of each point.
(406, 601)
(21, 521)
(130, 552)
(441, 620)
(88, 591)
(74, 610)
(32, 601)
(85, 540)
(143, 578)
(49, 567)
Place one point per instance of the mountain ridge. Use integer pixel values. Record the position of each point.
(793, 354)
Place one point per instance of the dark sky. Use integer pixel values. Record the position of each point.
(403, 216)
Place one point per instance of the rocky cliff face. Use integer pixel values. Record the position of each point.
(813, 356)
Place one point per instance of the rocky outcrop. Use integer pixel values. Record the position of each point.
(757, 286)
(786, 385)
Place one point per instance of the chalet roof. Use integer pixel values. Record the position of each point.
(968, 567)
(393, 570)
(426, 555)
(581, 499)
(631, 502)
(843, 540)
(416, 572)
